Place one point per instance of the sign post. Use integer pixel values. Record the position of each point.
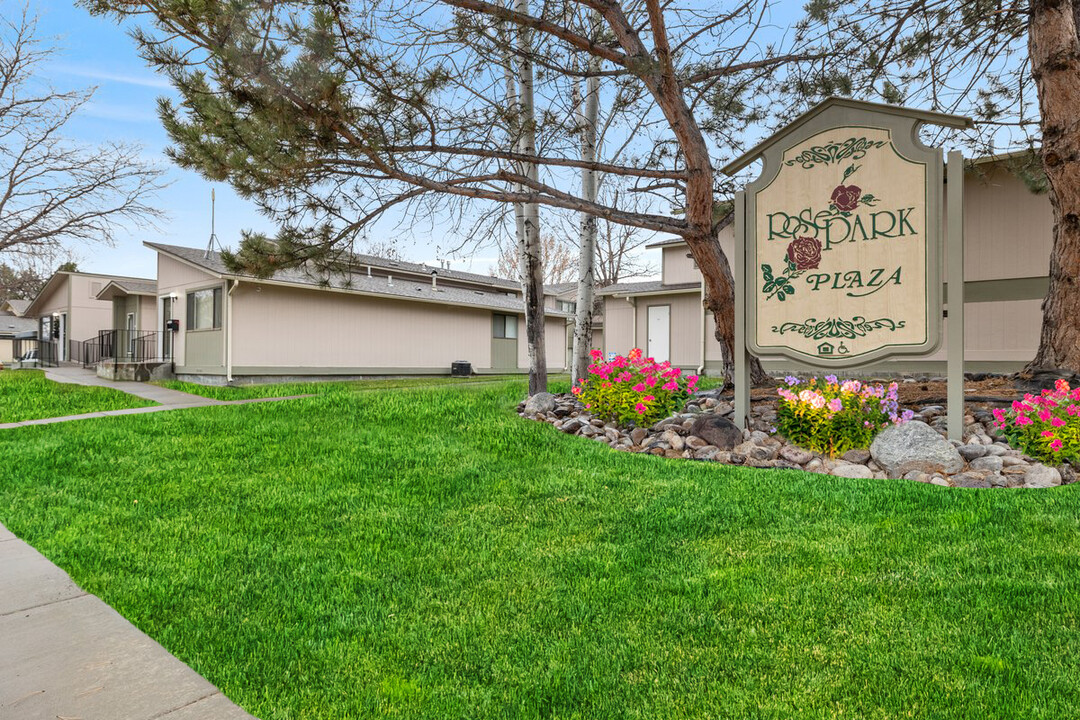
(839, 244)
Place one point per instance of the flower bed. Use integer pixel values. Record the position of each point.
(633, 390)
(1045, 426)
(833, 417)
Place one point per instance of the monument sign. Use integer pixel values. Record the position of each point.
(839, 241)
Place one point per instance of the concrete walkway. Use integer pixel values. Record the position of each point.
(167, 399)
(66, 654)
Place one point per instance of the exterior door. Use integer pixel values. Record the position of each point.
(659, 332)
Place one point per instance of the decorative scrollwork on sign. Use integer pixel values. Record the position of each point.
(853, 148)
(857, 326)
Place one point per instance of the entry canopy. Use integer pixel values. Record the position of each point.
(838, 107)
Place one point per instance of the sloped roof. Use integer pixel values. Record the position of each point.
(648, 288)
(359, 283)
(11, 325)
(18, 307)
(127, 286)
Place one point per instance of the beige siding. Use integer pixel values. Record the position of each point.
(88, 315)
(554, 344)
(1008, 230)
(618, 326)
(292, 327)
(7, 349)
(678, 267)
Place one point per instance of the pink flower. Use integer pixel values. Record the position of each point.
(1057, 422)
(1047, 433)
(1073, 409)
(1045, 415)
(596, 355)
(576, 390)
(651, 381)
(671, 385)
(836, 405)
(1062, 385)
(692, 379)
(640, 387)
(647, 398)
(640, 408)
(1055, 446)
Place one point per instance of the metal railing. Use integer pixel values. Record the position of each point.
(85, 352)
(132, 346)
(32, 352)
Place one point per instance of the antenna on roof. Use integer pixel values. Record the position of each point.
(213, 236)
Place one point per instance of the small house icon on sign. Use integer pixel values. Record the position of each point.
(825, 349)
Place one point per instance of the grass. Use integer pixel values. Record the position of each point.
(29, 395)
(286, 389)
(427, 554)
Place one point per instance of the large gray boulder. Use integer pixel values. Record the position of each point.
(541, 402)
(899, 449)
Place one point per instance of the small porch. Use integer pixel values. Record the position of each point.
(127, 354)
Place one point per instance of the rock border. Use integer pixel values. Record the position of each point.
(703, 431)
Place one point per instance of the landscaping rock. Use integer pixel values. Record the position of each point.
(970, 480)
(853, 471)
(1068, 474)
(917, 476)
(673, 439)
(694, 442)
(971, 452)
(1041, 476)
(992, 463)
(718, 431)
(858, 456)
(996, 449)
(542, 402)
(796, 455)
(638, 435)
(914, 446)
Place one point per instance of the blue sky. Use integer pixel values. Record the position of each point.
(93, 51)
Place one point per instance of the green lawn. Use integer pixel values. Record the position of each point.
(428, 554)
(28, 395)
(246, 392)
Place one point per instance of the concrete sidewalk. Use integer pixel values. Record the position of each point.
(167, 399)
(73, 374)
(66, 654)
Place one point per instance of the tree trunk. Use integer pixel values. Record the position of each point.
(1055, 65)
(532, 269)
(583, 324)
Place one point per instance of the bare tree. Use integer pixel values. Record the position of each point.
(52, 190)
(557, 261)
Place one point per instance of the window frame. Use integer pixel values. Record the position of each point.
(216, 308)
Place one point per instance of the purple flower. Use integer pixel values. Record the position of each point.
(836, 405)
(791, 380)
(831, 379)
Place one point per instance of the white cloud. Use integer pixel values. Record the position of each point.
(147, 80)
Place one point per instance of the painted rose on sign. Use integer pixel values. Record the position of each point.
(845, 198)
(804, 253)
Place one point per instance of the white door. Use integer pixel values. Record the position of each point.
(659, 332)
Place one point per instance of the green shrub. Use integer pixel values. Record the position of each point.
(831, 417)
(633, 390)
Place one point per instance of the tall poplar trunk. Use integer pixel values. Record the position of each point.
(532, 269)
(583, 323)
(1054, 49)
